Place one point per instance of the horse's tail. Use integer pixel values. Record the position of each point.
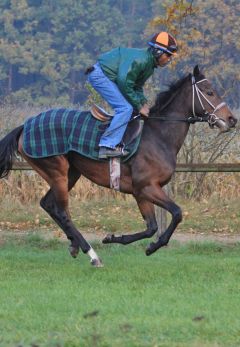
(8, 149)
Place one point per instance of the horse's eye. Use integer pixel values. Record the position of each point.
(210, 93)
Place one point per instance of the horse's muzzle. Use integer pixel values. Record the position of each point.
(232, 121)
(225, 125)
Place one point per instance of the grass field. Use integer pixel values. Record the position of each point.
(117, 215)
(183, 295)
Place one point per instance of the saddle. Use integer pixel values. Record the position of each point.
(100, 114)
(134, 127)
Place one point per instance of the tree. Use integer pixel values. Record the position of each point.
(80, 33)
(25, 48)
(207, 32)
(135, 14)
(46, 45)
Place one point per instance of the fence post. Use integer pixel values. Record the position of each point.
(161, 214)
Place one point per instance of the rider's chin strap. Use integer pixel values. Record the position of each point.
(212, 117)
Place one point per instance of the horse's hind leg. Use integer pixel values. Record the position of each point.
(59, 213)
(49, 204)
(56, 206)
(147, 210)
(56, 171)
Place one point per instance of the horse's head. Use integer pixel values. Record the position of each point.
(207, 103)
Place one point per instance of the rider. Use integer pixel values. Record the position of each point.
(119, 77)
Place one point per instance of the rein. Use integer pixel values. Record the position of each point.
(190, 119)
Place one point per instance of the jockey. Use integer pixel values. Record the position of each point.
(119, 76)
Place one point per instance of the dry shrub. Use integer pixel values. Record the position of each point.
(12, 116)
(28, 186)
(227, 185)
(204, 185)
(204, 145)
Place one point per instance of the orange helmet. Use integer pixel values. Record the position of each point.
(164, 42)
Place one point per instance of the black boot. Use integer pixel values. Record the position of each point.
(106, 152)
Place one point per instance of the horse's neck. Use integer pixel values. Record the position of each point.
(172, 134)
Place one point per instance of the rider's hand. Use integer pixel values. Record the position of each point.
(144, 110)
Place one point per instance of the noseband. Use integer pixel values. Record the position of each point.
(212, 118)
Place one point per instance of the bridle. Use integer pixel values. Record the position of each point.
(211, 118)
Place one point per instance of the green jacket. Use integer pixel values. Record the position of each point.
(129, 68)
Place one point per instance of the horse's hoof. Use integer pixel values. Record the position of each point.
(151, 249)
(97, 263)
(108, 239)
(148, 252)
(74, 251)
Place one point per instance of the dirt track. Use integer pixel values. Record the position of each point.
(183, 237)
(98, 236)
(186, 237)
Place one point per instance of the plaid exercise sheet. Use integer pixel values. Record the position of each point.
(59, 131)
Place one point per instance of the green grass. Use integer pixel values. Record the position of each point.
(103, 215)
(181, 296)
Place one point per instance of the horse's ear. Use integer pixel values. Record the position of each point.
(196, 71)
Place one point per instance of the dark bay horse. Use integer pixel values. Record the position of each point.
(189, 100)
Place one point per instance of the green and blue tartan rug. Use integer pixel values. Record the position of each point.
(59, 131)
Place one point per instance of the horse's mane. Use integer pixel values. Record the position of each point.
(164, 98)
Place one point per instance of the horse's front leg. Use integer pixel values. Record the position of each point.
(157, 195)
(147, 210)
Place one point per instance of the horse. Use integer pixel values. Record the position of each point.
(191, 99)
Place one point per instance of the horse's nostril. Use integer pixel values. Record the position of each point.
(232, 121)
